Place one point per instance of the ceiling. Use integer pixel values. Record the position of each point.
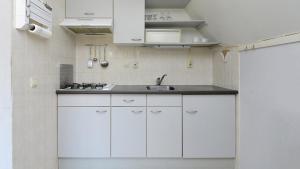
(244, 21)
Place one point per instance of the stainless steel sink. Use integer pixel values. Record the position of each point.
(160, 88)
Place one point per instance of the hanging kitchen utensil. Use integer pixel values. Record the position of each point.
(93, 56)
(104, 63)
(95, 59)
(90, 61)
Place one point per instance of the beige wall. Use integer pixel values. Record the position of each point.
(34, 109)
(151, 63)
(244, 21)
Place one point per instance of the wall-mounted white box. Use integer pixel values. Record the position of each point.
(163, 35)
(33, 12)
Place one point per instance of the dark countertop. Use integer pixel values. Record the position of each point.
(141, 89)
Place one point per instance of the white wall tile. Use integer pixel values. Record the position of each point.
(152, 63)
(226, 71)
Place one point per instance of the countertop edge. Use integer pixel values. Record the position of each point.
(217, 91)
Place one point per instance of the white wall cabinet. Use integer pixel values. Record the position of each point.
(209, 126)
(83, 132)
(164, 132)
(128, 132)
(89, 8)
(129, 21)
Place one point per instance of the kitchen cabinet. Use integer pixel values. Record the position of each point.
(83, 132)
(89, 8)
(209, 126)
(128, 132)
(158, 100)
(164, 132)
(146, 125)
(83, 100)
(129, 21)
(128, 100)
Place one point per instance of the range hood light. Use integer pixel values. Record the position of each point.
(88, 26)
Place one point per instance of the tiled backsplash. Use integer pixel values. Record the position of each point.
(141, 65)
(226, 72)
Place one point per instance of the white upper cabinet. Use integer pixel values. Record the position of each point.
(89, 8)
(209, 126)
(84, 132)
(129, 21)
(164, 132)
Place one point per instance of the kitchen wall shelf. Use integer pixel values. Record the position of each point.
(206, 44)
(177, 24)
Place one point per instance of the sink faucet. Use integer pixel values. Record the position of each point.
(160, 79)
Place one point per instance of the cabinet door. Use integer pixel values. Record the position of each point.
(129, 21)
(83, 132)
(89, 8)
(209, 126)
(128, 132)
(164, 132)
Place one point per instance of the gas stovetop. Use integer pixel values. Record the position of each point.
(88, 86)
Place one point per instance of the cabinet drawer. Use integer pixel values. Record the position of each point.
(128, 100)
(164, 100)
(83, 100)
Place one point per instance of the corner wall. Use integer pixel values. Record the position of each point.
(34, 109)
(5, 89)
(270, 115)
(226, 69)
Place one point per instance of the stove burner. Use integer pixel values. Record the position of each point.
(85, 86)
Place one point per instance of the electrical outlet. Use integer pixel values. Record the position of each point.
(190, 64)
(33, 83)
(135, 65)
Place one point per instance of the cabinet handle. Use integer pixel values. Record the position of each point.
(192, 112)
(137, 112)
(156, 112)
(136, 39)
(99, 111)
(89, 13)
(128, 101)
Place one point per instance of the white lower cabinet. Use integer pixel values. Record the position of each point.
(164, 132)
(153, 126)
(83, 132)
(209, 126)
(128, 132)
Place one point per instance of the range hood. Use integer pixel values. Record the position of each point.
(88, 26)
